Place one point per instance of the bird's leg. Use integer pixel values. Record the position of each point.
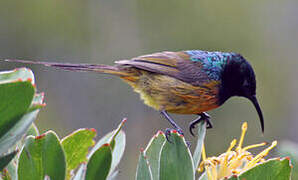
(176, 127)
(202, 117)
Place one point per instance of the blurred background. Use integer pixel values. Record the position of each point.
(102, 31)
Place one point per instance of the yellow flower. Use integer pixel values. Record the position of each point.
(233, 162)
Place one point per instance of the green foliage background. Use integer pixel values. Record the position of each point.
(264, 31)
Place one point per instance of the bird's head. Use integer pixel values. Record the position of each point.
(238, 79)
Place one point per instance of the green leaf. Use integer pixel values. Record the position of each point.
(200, 141)
(175, 160)
(4, 160)
(143, 169)
(106, 139)
(117, 150)
(109, 138)
(16, 93)
(76, 147)
(117, 140)
(20, 128)
(99, 165)
(277, 169)
(16, 98)
(42, 155)
(152, 153)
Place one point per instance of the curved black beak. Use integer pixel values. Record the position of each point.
(254, 100)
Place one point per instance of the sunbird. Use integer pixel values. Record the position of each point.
(183, 82)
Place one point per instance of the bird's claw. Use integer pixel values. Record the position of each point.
(168, 133)
(203, 117)
(209, 123)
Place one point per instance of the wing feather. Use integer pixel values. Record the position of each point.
(174, 64)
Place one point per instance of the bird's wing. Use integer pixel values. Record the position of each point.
(174, 64)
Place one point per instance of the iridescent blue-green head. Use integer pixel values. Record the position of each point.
(238, 79)
(235, 73)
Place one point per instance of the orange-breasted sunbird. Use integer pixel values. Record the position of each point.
(184, 82)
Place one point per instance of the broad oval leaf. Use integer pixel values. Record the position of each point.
(277, 169)
(117, 148)
(16, 98)
(117, 152)
(117, 139)
(20, 128)
(41, 156)
(153, 151)
(76, 147)
(175, 160)
(16, 94)
(99, 165)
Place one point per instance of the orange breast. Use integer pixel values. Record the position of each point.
(197, 99)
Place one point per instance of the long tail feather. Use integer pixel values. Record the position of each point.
(78, 67)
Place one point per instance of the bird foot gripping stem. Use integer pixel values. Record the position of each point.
(173, 123)
(202, 117)
(176, 128)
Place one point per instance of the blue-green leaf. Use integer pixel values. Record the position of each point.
(99, 165)
(16, 133)
(277, 169)
(152, 153)
(175, 160)
(200, 142)
(42, 155)
(143, 169)
(16, 98)
(117, 140)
